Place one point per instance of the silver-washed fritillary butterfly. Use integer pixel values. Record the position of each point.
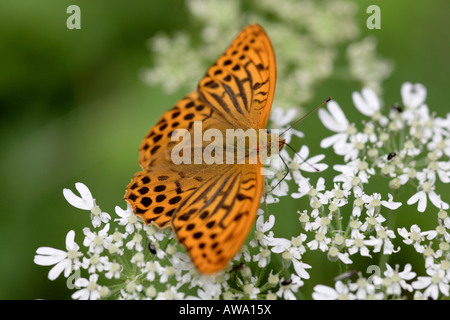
(211, 207)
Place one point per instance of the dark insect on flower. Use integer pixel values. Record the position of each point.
(391, 155)
(286, 282)
(397, 107)
(237, 267)
(151, 248)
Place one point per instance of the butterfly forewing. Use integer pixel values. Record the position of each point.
(211, 207)
(155, 192)
(242, 81)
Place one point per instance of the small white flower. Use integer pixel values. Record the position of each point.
(280, 118)
(368, 104)
(302, 163)
(263, 235)
(97, 241)
(181, 261)
(251, 290)
(394, 280)
(421, 198)
(413, 96)
(128, 219)
(350, 150)
(135, 242)
(65, 261)
(152, 269)
(416, 236)
(209, 289)
(383, 239)
(96, 263)
(436, 282)
(357, 243)
(339, 292)
(114, 271)
(353, 173)
(363, 289)
(335, 120)
(300, 268)
(86, 202)
(138, 259)
(320, 241)
(263, 257)
(391, 204)
(90, 289)
(289, 287)
(305, 188)
(132, 290)
(155, 235)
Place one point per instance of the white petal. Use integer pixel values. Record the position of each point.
(391, 204)
(82, 294)
(371, 99)
(269, 224)
(46, 261)
(122, 213)
(333, 119)
(421, 282)
(260, 222)
(322, 292)
(413, 95)
(344, 257)
(436, 200)
(86, 202)
(70, 241)
(300, 269)
(84, 191)
(58, 269)
(421, 197)
(48, 256)
(338, 114)
(337, 139)
(360, 104)
(49, 251)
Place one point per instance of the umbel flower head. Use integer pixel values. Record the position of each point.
(408, 147)
(320, 30)
(122, 258)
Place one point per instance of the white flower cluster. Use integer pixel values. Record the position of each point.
(349, 225)
(307, 35)
(410, 146)
(136, 261)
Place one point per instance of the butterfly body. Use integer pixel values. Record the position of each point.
(207, 189)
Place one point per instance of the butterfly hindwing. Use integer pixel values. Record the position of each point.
(214, 220)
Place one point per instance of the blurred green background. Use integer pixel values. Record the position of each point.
(74, 109)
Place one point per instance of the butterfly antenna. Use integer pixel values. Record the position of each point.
(304, 160)
(287, 172)
(265, 202)
(297, 121)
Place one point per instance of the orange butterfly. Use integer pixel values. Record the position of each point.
(211, 207)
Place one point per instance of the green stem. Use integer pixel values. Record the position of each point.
(391, 219)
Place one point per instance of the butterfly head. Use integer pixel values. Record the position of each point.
(270, 143)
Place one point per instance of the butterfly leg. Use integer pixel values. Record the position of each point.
(287, 172)
(265, 202)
